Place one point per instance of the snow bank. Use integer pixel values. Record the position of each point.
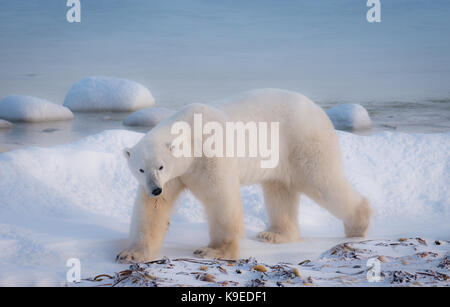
(31, 109)
(349, 117)
(75, 200)
(148, 117)
(108, 94)
(4, 124)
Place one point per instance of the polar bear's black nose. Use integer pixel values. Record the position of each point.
(156, 191)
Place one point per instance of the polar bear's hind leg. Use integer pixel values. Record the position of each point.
(282, 204)
(341, 200)
(359, 223)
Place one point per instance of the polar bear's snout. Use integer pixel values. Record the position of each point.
(156, 191)
(153, 188)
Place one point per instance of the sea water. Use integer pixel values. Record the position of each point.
(200, 51)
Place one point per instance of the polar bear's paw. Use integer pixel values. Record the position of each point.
(228, 252)
(359, 224)
(275, 237)
(271, 237)
(206, 252)
(133, 255)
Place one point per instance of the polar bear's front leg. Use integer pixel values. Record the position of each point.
(223, 208)
(149, 224)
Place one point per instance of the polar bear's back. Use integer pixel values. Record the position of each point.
(304, 130)
(291, 109)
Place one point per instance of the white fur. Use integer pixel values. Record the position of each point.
(309, 163)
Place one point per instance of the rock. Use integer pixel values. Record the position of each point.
(4, 124)
(94, 94)
(19, 108)
(259, 268)
(208, 277)
(349, 117)
(381, 258)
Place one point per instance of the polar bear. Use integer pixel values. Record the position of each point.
(309, 162)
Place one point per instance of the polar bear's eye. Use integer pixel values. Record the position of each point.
(161, 167)
(141, 170)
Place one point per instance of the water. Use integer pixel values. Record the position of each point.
(60, 132)
(199, 51)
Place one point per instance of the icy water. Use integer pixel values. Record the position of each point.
(199, 51)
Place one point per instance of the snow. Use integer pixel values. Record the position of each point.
(74, 201)
(94, 94)
(402, 262)
(349, 116)
(19, 108)
(148, 117)
(4, 124)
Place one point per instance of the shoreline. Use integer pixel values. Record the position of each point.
(49, 134)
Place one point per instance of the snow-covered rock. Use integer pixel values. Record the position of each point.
(4, 124)
(349, 117)
(95, 94)
(148, 117)
(19, 108)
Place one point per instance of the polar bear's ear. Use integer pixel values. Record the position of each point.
(170, 146)
(126, 153)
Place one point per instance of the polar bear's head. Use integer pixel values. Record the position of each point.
(153, 164)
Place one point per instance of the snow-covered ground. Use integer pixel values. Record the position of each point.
(402, 262)
(74, 201)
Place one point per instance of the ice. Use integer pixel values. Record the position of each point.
(148, 117)
(4, 124)
(74, 201)
(108, 94)
(19, 108)
(349, 116)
